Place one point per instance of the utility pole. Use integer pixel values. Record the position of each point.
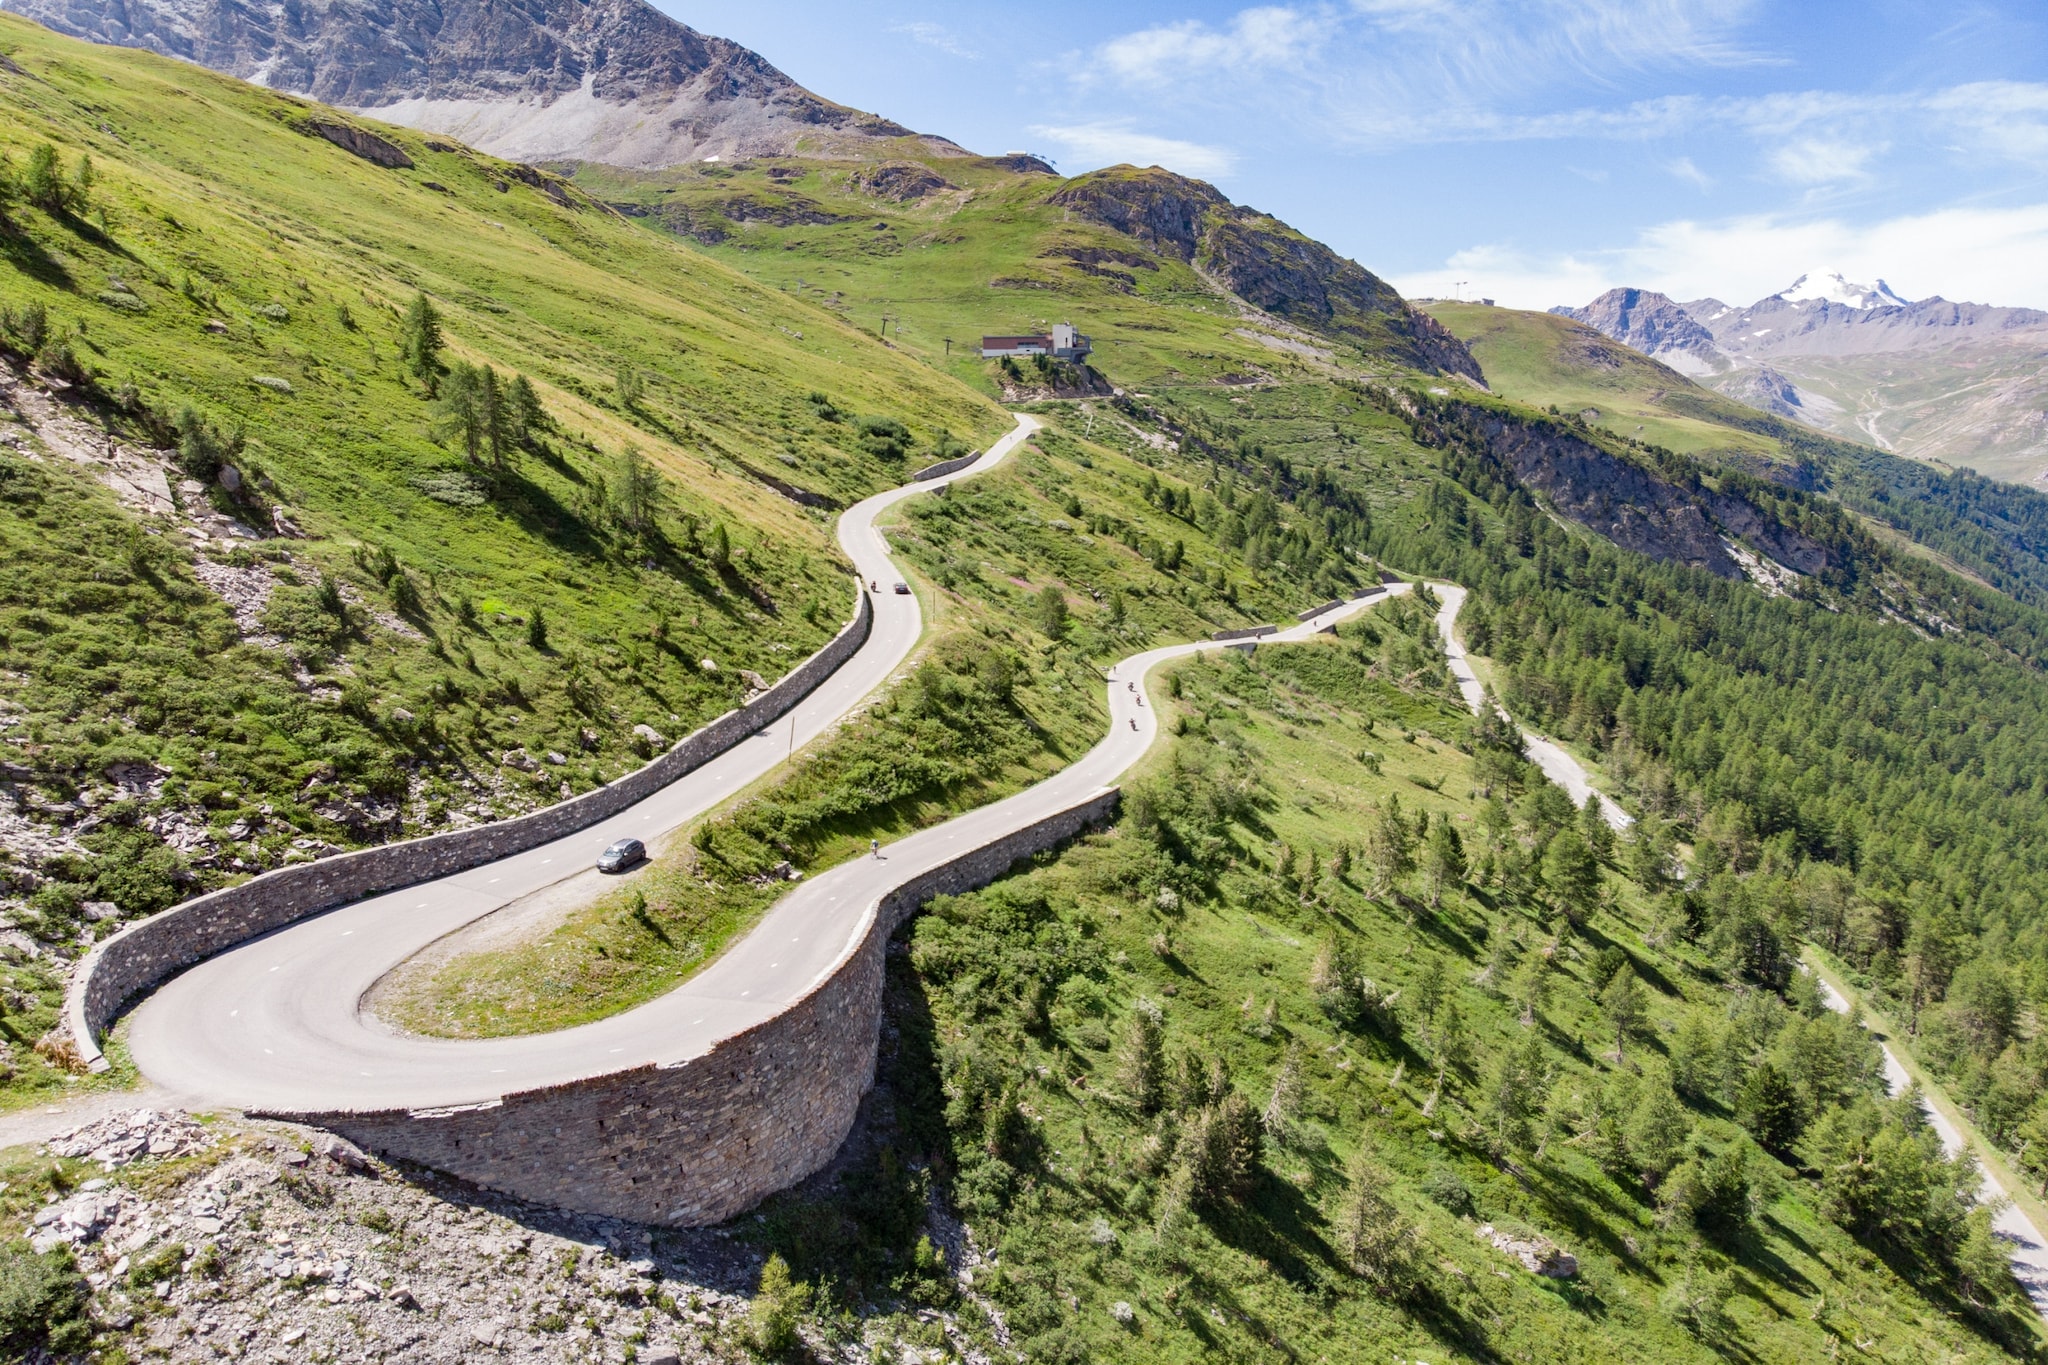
(1458, 290)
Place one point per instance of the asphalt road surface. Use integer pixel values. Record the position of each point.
(1557, 765)
(276, 1022)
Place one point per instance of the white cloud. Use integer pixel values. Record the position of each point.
(1822, 160)
(1407, 66)
(1692, 175)
(1979, 255)
(938, 36)
(1267, 36)
(2006, 118)
(1093, 145)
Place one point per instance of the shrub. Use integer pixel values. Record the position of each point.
(885, 438)
(1448, 1190)
(42, 1302)
(778, 1303)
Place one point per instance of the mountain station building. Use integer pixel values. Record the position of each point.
(1064, 342)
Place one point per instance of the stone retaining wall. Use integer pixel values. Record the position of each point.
(701, 1141)
(147, 952)
(944, 467)
(1248, 633)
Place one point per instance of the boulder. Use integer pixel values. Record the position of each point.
(1538, 1255)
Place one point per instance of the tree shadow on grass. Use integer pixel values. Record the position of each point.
(25, 254)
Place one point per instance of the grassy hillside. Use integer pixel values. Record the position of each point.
(1546, 360)
(360, 628)
(975, 248)
(1232, 1081)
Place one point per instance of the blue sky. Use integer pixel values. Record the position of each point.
(1537, 150)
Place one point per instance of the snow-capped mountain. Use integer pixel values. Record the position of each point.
(1965, 383)
(1828, 286)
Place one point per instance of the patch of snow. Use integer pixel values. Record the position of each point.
(1828, 286)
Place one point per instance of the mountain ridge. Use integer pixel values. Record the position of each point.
(615, 81)
(1959, 383)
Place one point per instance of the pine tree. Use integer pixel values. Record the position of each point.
(42, 183)
(1141, 1065)
(1769, 1107)
(1278, 1116)
(1625, 1006)
(1389, 847)
(637, 492)
(1515, 1089)
(1445, 866)
(1572, 873)
(1593, 824)
(1531, 987)
(1658, 1130)
(420, 341)
(1051, 614)
(1373, 1236)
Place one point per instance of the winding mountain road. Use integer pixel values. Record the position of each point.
(276, 1023)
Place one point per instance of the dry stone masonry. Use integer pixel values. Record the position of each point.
(700, 1141)
(150, 951)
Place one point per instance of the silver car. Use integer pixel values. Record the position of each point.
(621, 855)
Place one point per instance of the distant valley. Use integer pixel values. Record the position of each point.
(1961, 384)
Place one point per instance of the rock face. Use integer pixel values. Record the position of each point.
(1265, 262)
(1653, 324)
(614, 81)
(1765, 389)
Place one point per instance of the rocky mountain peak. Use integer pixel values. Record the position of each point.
(1651, 323)
(1264, 262)
(615, 81)
(1829, 286)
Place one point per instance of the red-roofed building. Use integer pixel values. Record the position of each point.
(1064, 342)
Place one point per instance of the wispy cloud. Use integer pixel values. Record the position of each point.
(1093, 145)
(1691, 174)
(1387, 74)
(1984, 255)
(1396, 67)
(1268, 36)
(938, 36)
(1822, 160)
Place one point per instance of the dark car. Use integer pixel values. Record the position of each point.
(903, 588)
(621, 855)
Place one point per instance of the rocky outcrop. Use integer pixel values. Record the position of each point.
(1768, 391)
(357, 141)
(1684, 521)
(902, 182)
(1604, 493)
(1266, 263)
(615, 81)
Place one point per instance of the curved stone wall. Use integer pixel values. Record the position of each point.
(699, 1141)
(151, 950)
